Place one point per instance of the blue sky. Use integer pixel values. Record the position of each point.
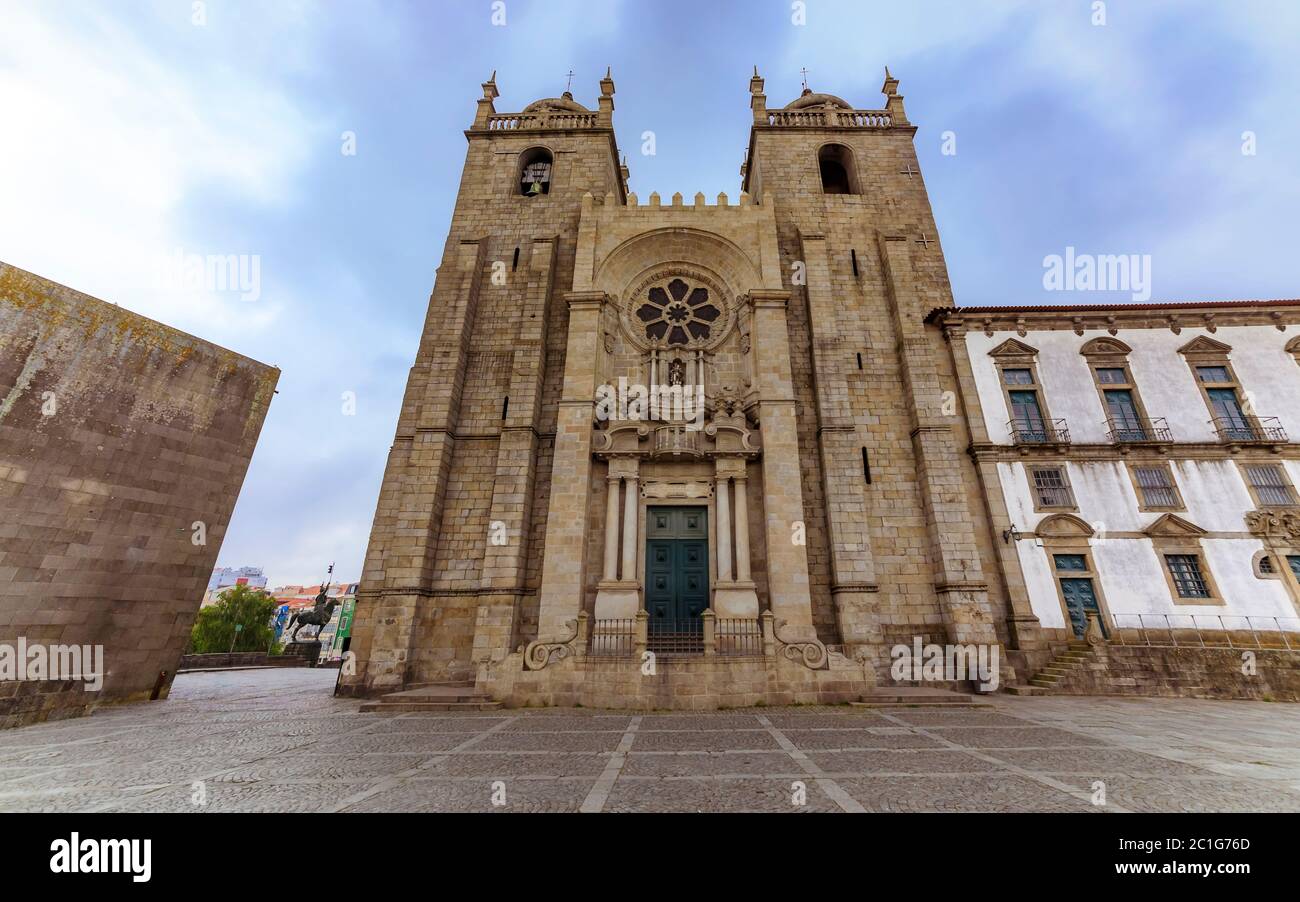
(132, 132)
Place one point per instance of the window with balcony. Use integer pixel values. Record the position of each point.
(1126, 418)
(1232, 420)
(1030, 423)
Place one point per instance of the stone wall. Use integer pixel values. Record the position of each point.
(117, 436)
(1186, 673)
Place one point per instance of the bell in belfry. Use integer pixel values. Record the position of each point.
(535, 188)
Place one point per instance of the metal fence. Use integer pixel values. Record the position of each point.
(668, 638)
(613, 638)
(1205, 631)
(738, 637)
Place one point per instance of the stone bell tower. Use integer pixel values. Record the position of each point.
(892, 530)
(455, 551)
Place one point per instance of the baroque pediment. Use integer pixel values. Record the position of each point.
(1203, 344)
(1064, 526)
(1104, 346)
(1173, 527)
(1013, 348)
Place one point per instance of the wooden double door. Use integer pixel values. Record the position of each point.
(676, 568)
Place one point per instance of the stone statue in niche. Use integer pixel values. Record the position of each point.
(609, 342)
(677, 372)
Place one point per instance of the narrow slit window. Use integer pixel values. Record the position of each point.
(505, 407)
(866, 466)
(853, 254)
(515, 264)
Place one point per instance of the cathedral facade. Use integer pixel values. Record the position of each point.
(692, 451)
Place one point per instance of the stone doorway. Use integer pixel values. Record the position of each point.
(677, 575)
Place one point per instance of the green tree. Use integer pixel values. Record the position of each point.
(250, 609)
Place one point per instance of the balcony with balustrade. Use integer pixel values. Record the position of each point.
(1138, 430)
(1249, 430)
(1039, 432)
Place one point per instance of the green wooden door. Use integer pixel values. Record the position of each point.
(1079, 600)
(677, 568)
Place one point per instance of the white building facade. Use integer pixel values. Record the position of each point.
(1138, 461)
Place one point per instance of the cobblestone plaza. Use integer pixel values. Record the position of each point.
(275, 740)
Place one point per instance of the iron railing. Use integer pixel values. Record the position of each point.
(668, 637)
(1261, 430)
(613, 638)
(1205, 631)
(1039, 432)
(1136, 430)
(738, 637)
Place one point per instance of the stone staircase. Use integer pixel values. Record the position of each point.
(450, 696)
(1076, 655)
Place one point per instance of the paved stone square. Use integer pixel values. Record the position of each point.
(275, 740)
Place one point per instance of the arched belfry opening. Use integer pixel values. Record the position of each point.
(835, 161)
(535, 168)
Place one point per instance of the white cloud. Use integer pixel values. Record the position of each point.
(108, 140)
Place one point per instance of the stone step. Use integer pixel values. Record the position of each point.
(1042, 683)
(918, 697)
(448, 696)
(381, 707)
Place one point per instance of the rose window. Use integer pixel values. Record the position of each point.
(677, 314)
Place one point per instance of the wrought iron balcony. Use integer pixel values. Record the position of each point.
(1138, 430)
(1247, 429)
(1039, 432)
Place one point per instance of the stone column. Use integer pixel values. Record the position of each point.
(742, 530)
(564, 568)
(958, 574)
(733, 594)
(619, 599)
(724, 530)
(611, 528)
(630, 509)
(787, 562)
(847, 498)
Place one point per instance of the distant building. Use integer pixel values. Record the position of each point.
(237, 576)
(224, 578)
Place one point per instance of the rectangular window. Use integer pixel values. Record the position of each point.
(1213, 374)
(1270, 485)
(1018, 377)
(1070, 562)
(1108, 375)
(1294, 561)
(1189, 581)
(1156, 487)
(1051, 487)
